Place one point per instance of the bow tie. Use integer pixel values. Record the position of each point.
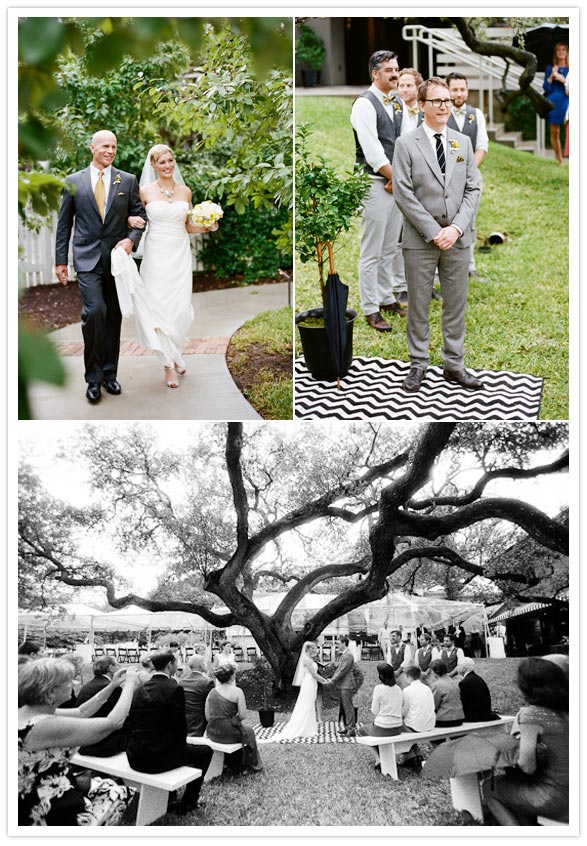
(388, 99)
(462, 111)
(413, 110)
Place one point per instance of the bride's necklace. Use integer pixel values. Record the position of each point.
(169, 192)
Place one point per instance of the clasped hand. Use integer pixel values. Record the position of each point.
(446, 238)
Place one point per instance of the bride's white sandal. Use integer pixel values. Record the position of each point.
(180, 370)
(170, 381)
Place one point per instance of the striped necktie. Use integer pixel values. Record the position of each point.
(440, 151)
(100, 193)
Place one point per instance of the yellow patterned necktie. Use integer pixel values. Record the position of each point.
(100, 194)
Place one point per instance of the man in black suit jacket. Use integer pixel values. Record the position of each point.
(475, 695)
(196, 686)
(158, 729)
(104, 669)
(103, 199)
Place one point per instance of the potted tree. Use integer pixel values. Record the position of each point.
(310, 52)
(326, 203)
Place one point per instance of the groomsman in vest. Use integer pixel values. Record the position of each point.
(424, 655)
(436, 186)
(376, 118)
(401, 657)
(470, 121)
(407, 87)
(451, 655)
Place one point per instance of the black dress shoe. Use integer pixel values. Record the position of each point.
(112, 386)
(395, 308)
(93, 393)
(414, 379)
(466, 380)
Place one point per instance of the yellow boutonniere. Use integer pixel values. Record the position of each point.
(397, 107)
(454, 145)
(471, 117)
(118, 179)
(460, 159)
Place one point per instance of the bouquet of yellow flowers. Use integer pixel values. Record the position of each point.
(206, 214)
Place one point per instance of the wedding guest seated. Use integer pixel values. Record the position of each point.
(386, 706)
(539, 783)
(418, 712)
(28, 649)
(158, 730)
(77, 663)
(225, 710)
(196, 685)
(49, 736)
(447, 696)
(147, 668)
(104, 670)
(475, 695)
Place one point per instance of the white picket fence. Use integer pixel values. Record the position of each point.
(37, 254)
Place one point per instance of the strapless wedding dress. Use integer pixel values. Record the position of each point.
(166, 271)
(303, 722)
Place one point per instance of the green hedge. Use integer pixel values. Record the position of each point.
(245, 246)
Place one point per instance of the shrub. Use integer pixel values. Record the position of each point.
(244, 245)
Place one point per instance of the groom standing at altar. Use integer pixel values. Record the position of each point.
(101, 203)
(343, 679)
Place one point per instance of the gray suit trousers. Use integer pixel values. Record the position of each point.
(381, 225)
(453, 269)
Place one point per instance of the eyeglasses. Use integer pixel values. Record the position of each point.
(438, 103)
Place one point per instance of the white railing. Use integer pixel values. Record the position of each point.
(446, 47)
(37, 254)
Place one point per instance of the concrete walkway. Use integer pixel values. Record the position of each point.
(206, 392)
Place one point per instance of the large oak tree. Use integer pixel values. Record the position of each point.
(235, 509)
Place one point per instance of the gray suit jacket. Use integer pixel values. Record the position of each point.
(427, 199)
(94, 238)
(343, 676)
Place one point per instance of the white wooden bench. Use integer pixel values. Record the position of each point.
(548, 821)
(219, 750)
(154, 787)
(464, 789)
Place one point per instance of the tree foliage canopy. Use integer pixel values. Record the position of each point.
(238, 508)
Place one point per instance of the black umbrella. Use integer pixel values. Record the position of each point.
(335, 296)
(541, 41)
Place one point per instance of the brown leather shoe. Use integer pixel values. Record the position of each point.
(466, 380)
(413, 381)
(395, 308)
(377, 322)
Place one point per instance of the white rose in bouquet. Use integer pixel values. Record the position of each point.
(206, 214)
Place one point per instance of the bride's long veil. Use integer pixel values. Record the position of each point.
(298, 675)
(149, 175)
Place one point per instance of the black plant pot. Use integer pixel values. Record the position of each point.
(310, 78)
(317, 349)
(267, 717)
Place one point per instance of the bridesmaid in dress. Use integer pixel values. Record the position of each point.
(554, 88)
(225, 710)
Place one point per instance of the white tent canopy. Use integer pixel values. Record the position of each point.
(135, 618)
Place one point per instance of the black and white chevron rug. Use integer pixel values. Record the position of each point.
(327, 733)
(372, 389)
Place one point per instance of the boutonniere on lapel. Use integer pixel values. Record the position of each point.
(471, 117)
(397, 106)
(118, 179)
(454, 144)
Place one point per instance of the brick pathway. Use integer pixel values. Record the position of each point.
(194, 346)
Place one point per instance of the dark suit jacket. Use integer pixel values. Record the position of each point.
(114, 742)
(343, 677)
(196, 689)
(158, 727)
(476, 699)
(94, 238)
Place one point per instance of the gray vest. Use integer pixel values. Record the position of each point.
(387, 130)
(470, 125)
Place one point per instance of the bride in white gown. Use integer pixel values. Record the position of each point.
(166, 268)
(302, 722)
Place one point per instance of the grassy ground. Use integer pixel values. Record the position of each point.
(301, 784)
(260, 361)
(518, 318)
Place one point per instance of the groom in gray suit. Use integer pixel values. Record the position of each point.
(436, 185)
(101, 203)
(344, 680)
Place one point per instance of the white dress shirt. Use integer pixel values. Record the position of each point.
(431, 133)
(364, 122)
(418, 707)
(106, 177)
(410, 121)
(482, 142)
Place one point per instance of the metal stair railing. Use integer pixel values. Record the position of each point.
(488, 68)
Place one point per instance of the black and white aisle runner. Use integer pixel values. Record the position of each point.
(327, 733)
(373, 389)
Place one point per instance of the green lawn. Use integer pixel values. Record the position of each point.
(336, 784)
(518, 319)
